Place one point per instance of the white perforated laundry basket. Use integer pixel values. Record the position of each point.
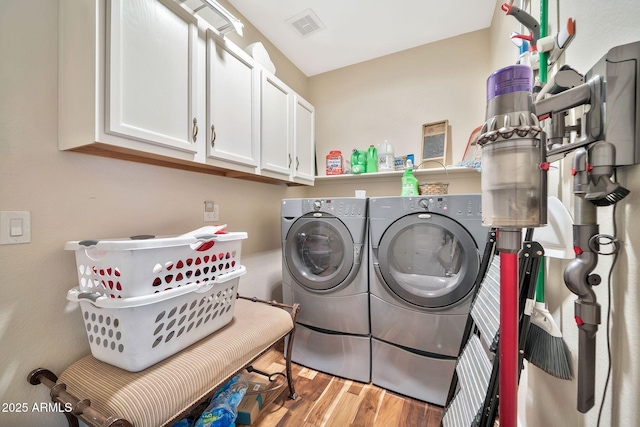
(122, 268)
(134, 333)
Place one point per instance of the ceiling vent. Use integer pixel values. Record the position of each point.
(306, 23)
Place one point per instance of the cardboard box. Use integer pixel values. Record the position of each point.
(249, 409)
(258, 387)
(253, 401)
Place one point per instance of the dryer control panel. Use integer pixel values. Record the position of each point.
(340, 206)
(446, 205)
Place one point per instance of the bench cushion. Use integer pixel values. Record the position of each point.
(154, 396)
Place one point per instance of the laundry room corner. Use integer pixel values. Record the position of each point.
(264, 275)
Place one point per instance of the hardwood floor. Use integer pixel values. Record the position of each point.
(324, 400)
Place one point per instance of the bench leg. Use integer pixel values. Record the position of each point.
(71, 420)
(287, 357)
(48, 378)
(295, 308)
(80, 407)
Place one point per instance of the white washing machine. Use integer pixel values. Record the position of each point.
(424, 258)
(325, 270)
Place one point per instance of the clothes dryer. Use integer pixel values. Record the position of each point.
(325, 270)
(424, 258)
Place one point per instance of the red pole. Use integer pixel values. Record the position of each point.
(508, 410)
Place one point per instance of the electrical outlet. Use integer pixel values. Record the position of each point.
(211, 212)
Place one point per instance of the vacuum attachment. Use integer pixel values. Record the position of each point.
(602, 191)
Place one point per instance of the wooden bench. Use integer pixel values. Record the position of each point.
(104, 395)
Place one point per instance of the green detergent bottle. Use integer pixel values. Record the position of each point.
(409, 182)
(372, 159)
(358, 161)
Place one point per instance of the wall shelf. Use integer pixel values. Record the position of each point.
(430, 174)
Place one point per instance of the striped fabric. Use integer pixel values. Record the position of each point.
(152, 397)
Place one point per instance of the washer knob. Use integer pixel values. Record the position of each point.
(424, 203)
(317, 204)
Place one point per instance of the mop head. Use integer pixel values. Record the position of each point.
(545, 347)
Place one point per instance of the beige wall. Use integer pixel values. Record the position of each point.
(545, 400)
(75, 196)
(393, 96)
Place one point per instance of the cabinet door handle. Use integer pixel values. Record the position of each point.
(195, 130)
(297, 163)
(213, 135)
(290, 159)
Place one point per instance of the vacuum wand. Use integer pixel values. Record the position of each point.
(579, 279)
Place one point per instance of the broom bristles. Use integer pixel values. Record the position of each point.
(548, 353)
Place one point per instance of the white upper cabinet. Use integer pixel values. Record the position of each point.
(129, 78)
(304, 141)
(276, 137)
(155, 82)
(233, 100)
(151, 72)
(287, 133)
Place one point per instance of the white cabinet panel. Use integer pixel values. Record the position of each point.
(276, 137)
(233, 114)
(151, 72)
(304, 141)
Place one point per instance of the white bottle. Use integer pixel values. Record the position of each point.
(386, 160)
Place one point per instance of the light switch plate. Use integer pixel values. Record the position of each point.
(15, 227)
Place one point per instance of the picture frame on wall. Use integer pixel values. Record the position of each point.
(434, 142)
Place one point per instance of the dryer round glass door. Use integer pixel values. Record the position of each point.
(319, 252)
(428, 260)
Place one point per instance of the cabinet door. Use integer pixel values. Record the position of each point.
(276, 136)
(233, 112)
(151, 72)
(304, 141)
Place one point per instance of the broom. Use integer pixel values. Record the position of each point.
(544, 346)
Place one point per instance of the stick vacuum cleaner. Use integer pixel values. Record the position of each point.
(514, 196)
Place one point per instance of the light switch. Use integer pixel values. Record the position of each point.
(15, 227)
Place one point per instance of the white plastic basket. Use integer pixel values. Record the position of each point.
(135, 333)
(122, 268)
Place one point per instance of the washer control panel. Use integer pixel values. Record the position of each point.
(452, 206)
(340, 207)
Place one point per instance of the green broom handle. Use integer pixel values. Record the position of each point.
(544, 25)
(540, 282)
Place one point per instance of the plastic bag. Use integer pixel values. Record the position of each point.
(223, 409)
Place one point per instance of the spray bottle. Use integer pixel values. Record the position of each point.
(409, 182)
